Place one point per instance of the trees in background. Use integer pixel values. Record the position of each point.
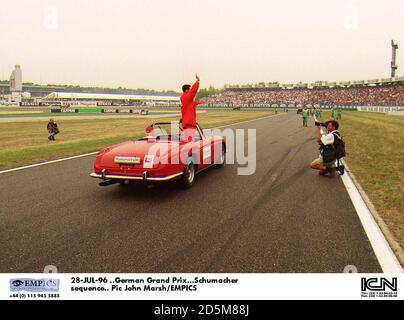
(205, 92)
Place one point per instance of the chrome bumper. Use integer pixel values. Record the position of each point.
(144, 177)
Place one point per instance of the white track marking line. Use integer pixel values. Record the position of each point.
(92, 153)
(386, 257)
(48, 162)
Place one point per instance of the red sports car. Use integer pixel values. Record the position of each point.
(163, 154)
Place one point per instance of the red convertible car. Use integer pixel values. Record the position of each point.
(162, 155)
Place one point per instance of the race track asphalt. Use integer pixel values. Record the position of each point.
(283, 218)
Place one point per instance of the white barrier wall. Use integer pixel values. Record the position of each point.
(381, 109)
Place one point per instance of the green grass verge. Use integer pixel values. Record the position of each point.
(26, 142)
(54, 151)
(375, 154)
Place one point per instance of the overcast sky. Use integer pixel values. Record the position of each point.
(160, 44)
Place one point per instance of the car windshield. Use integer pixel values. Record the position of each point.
(166, 131)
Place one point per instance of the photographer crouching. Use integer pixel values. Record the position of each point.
(332, 149)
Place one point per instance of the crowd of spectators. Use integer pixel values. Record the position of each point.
(355, 96)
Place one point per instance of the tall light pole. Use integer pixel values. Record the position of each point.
(394, 47)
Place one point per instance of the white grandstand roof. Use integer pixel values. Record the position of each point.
(106, 96)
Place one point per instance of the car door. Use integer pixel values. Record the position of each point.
(205, 145)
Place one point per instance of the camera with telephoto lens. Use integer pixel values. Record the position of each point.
(321, 124)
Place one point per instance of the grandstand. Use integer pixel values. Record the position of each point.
(378, 92)
(318, 84)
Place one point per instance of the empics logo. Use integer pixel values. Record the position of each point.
(17, 283)
(34, 285)
(379, 287)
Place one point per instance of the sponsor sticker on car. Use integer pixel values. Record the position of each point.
(127, 160)
(148, 161)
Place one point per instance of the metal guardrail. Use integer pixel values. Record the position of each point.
(100, 110)
(272, 106)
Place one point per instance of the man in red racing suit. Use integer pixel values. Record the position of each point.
(188, 110)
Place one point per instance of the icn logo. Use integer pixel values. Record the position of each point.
(375, 284)
(379, 288)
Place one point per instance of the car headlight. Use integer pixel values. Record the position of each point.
(148, 161)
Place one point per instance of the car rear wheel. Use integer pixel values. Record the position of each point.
(222, 159)
(188, 176)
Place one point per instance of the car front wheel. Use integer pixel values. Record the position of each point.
(188, 176)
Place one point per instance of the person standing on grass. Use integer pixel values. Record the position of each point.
(339, 113)
(53, 130)
(188, 111)
(305, 115)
